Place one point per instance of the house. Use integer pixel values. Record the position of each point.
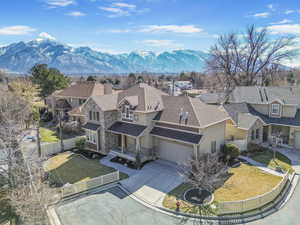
(71, 99)
(145, 120)
(264, 114)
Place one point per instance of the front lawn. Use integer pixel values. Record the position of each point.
(245, 182)
(73, 168)
(48, 135)
(266, 157)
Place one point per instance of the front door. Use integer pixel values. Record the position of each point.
(265, 133)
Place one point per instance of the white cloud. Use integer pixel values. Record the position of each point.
(290, 11)
(284, 21)
(285, 29)
(271, 7)
(16, 30)
(115, 12)
(120, 31)
(60, 3)
(172, 28)
(261, 15)
(76, 14)
(162, 43)
(124, 5)
(45, 35)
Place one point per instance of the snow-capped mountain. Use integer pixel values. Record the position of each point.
(20, 57)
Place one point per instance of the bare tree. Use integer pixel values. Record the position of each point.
(205, 172)
(248, 58)
(27, 192)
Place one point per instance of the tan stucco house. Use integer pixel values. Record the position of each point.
(264, 114)
(145, 120)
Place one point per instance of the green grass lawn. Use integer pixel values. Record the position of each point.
(48, 135)
(245, 182)
(266, 158)
(72, 168)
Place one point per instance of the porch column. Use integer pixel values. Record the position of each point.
(137, 144)
(196, 151)
(122, 143)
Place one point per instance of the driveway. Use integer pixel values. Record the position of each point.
(152, 182)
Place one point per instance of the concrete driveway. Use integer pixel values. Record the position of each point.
(154, 181)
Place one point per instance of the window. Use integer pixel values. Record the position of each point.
(252, 134)
(213, 147)
(275, 109)
(90, 115)
(98, 116)
(91, 136)
(127, 113)
(257, 134)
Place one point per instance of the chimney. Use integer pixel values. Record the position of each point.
(107, 88)
(180, 115)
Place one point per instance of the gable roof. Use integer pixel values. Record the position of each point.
(265, 95)
(106, 102)
(212, 98)
(148, 97)
(199, 113)
(82, 89)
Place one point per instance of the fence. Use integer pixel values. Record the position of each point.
(54, 148)
(252, 203)
(90, 184)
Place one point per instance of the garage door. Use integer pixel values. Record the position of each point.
(297, 140)
(174, 151)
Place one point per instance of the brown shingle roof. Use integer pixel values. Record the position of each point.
(83, 89)
(199, 113)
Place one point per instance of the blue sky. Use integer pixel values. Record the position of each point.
(125, 25)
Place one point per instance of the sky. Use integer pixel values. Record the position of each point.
(117, 26)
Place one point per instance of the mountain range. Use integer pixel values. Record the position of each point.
(21, 56)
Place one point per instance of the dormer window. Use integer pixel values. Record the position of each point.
(127, 113)
(275, 109)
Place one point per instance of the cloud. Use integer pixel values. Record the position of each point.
(163, 43)
(120, 31)
(261, 15)
(16, 30)
(118, 9)
(45, 35)
(172, 29)
(271, 7)
(59, 3)
(285, 29)
(284, 21)
(124, 5)
(289, 11)
(76, 14)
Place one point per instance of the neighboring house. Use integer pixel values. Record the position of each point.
(264, 114)
(212, 98)
(145, 120)
(71, 99)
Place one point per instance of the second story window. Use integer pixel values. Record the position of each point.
(275, 109)
(94, 116)
(127, 113)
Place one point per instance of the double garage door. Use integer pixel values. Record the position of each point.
(174, 151)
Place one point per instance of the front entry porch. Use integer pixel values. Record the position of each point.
(277, 134)
(128, 144)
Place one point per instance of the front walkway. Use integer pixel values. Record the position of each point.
(152, 182)
(261, 166)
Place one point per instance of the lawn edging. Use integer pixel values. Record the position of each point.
(253, 215)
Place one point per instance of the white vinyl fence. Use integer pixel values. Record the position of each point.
(54, 148)
(252, 203)
(90, 184)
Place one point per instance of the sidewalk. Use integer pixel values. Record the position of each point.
(261, 166)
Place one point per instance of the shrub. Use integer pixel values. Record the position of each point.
(255, 148)
(80, 144)
(231, 151)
